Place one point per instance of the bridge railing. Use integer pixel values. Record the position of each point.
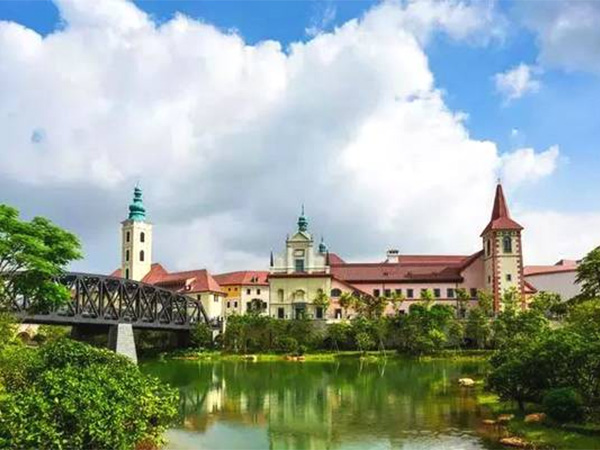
(99, 299)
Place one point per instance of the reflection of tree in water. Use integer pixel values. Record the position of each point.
(316, 405)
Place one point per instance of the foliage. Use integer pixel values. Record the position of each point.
(563, 404)
(70, 395)
(286, 344)
(347, 301)
(201, 336)
(364, 341)
(340, 336)
(512, 323)
(548, 304)
(424, 329)
(588, 274)
(370, 306)
(8, 329)
(322, 300)
(478, 327)
(51, 333)
(31, 254)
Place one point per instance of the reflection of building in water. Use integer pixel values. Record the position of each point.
(317, 406)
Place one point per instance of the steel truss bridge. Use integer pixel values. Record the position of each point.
(104, 300)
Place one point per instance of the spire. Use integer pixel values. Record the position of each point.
(302, 221)
(500, 209)
(137, 212)
(500, 219)
(322, 246)
(271, 261)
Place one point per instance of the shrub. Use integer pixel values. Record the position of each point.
(564, 404)
(287, 344)
(72, 395)
(201, 336)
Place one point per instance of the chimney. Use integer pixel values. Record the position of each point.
(392, 256)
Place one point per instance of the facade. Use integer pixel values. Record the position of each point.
(302, 271)
(558, 278)
(245, 291)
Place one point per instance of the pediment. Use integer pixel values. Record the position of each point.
(301, 236)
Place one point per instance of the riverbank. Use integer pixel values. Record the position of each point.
(532, 429)
(454, 355)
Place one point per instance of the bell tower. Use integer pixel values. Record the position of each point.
(136, 240)
(502, 252)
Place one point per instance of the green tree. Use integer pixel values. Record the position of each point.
(478, 327)
(201, 336)
(364, 341)
(548, 304)
(462, 300)
(31, 255)
(8, 329)
(339, 333)
(485, 301)
(588, 274)
(347, 301)
(322, 301)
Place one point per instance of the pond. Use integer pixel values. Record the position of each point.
(400, 404)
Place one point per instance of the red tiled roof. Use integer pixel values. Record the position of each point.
(243, 277)
(191, 281)
(335, 259)
(529, 288)
(564, 265)
(500, 215)
(415, 268)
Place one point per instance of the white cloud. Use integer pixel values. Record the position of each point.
(324, 16)
(525, 165)
(516, 82)
(229, 138)
(568, 32)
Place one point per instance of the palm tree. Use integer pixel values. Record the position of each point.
(347, 300)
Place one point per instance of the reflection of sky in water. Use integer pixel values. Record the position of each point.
(218, 437)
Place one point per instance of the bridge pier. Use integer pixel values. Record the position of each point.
(120, 339)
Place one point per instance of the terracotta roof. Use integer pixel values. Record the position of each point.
(243, 277)
(410, 268)
(564, 265)
(191, 281)
(335, 259)
(529, 288)
(500, 219)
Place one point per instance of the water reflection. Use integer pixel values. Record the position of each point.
(345, 405)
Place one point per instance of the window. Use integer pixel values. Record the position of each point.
(410, 293)
(127, 273)
(473, 293)
(387, 292)
(215, 299)
(508, 277)
(258, 292)
(127, 236)
(338, 313)
(319, 312)
(228, 304)
(299, 265)
(489, 278)
(450, 293)
(141, 255)
(507, 244)
(248, 291)
(280, 313)
(376, 292)
(437, 293)
(126, 255)
(336, 293)
(488, 248)
(235, 304)
(398, 291)
(280, 295)
(142, 237)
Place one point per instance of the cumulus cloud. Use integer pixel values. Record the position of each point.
(525, 165)
(568, 32)
(516, 82)
(228, 139)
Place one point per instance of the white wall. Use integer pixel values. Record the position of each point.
(562, 283)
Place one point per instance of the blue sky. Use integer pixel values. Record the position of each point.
(556, 106)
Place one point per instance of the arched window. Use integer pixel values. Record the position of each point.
(142, 237)
(336, 292)
(127, 236)
(127, 255)
(507, 244)
(127, 273)
(141, 255)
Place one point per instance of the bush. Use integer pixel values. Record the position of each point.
(564, 405)
(201, 336)
(71, 395)
(287, 345)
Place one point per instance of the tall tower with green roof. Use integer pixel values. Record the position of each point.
(136, 240)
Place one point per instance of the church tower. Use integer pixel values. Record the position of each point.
(502, 252)
(136, 240)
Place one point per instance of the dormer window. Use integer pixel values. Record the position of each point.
(507, 244)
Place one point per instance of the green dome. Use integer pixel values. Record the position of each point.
(137, 212)
(302, 221)
(322, 247)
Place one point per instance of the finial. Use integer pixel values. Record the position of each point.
(272, 258)
(137, 211)
(322, 246)
(302, 221)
